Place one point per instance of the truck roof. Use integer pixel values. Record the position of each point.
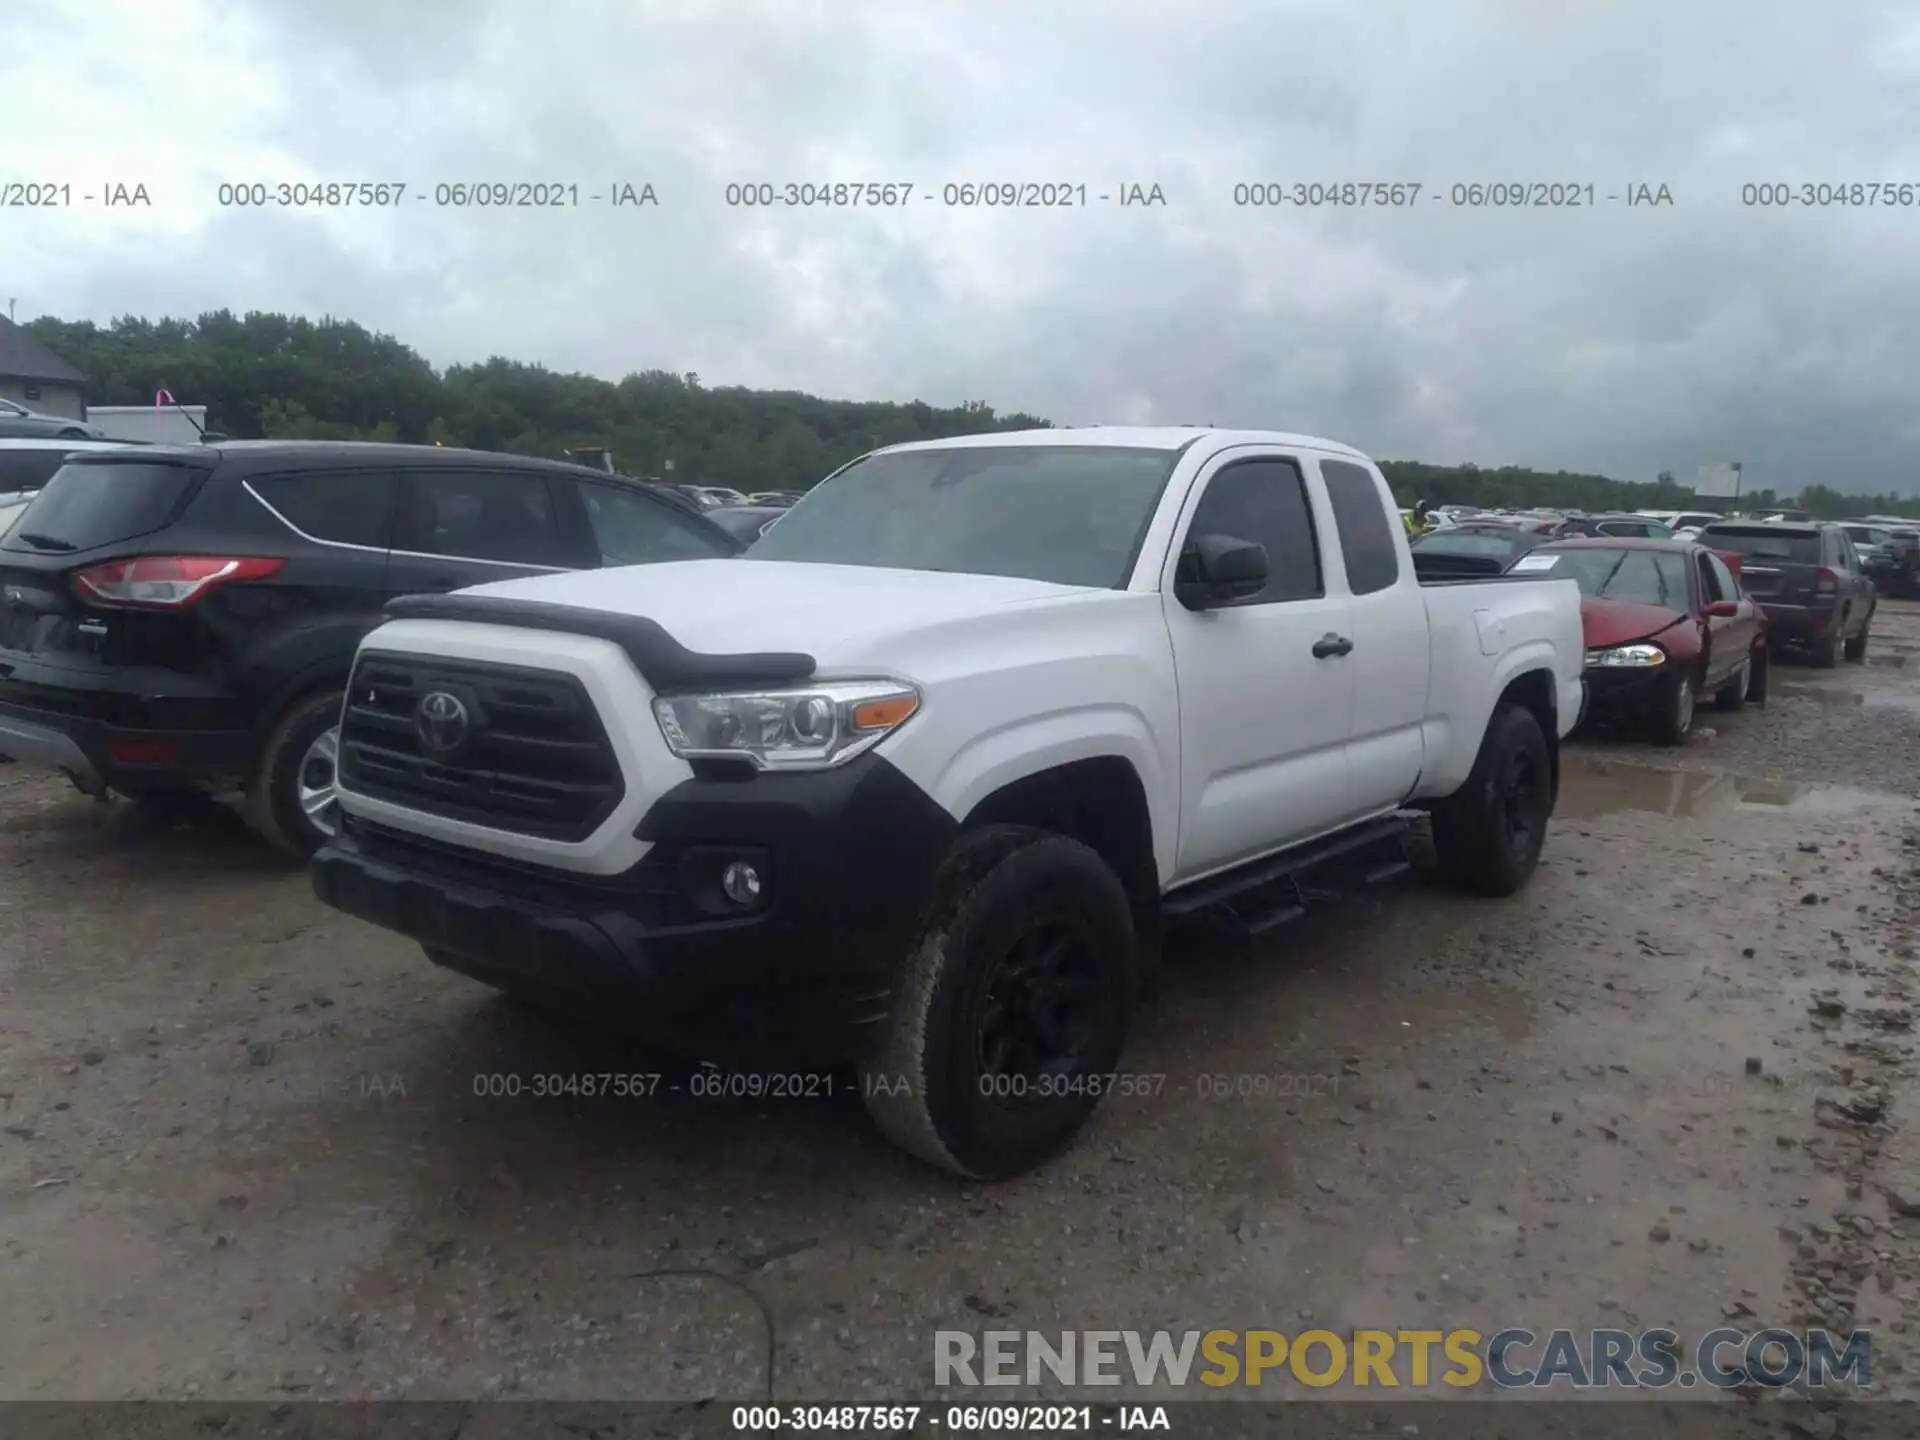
(1139, 437)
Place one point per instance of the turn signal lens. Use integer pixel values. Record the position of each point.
(884, 714)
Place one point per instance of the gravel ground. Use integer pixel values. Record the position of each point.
(248, 1149)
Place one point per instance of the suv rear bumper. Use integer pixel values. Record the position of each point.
(1799, 624)
(96, 753)
(846, 858)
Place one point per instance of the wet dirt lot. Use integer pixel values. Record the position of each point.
(250, 1148)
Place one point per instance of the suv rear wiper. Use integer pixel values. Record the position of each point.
(46, 542)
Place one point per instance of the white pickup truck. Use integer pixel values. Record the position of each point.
(917, 782)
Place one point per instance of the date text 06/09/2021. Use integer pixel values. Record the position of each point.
(1062, 194)
(442, 195)
(1461, 195)
(709, 1083)
(954, 1419)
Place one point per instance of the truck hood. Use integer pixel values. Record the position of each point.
(1621, 622)
(731, 607)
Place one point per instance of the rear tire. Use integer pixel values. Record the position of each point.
(286, 775)
(1673, 721)
(1488, 833)
(1010, 1008)
(1856, 647)
(1826, 652)
(1733, 694)
(1760, 666)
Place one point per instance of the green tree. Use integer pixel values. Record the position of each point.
(264, 374)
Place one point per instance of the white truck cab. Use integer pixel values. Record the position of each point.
(918, 780)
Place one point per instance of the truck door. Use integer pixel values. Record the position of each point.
(1391, 647)
(1266, 688)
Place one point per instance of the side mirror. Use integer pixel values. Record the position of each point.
(1216, 570)
(1724, 609)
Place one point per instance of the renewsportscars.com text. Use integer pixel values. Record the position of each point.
(1512, 1358)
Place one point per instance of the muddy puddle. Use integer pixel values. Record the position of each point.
(1838, 699)
(1591, 787)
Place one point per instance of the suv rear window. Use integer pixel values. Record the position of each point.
(1765, 542)
(92, 503)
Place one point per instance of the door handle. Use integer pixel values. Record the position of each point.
(1331, 644)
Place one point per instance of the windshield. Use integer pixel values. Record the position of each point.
(1642, 577)
(1066, 514)
(1759, 542)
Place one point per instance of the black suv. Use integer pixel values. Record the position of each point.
(182, 620)
(1808, 579)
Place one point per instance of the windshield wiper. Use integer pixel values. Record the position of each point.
(46, 542)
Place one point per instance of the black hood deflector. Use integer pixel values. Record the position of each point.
(663, 662)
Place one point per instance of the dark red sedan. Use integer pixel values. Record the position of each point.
(1667, 624)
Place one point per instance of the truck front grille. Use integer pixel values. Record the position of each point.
(531, 755)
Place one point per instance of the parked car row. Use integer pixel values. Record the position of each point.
(1672, 622)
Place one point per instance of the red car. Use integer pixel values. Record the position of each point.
(1667, 623)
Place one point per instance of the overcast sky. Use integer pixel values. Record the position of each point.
(1613, 338)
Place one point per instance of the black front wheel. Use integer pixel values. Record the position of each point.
(1012, 1008)
(1487, 834)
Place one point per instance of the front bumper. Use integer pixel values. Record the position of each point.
(1619, 692)
(847, 857)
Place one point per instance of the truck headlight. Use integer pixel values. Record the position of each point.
(800, 729)
(1627, 655)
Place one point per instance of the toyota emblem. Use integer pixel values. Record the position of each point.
(441, 722)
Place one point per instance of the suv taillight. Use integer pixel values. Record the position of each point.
(1825, 582)
(166, 582)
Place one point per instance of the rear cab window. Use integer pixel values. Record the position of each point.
(94, 502)
(1360, 519)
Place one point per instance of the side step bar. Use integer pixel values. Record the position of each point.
(1220, 892)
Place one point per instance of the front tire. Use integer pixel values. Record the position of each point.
(1011, 1008)
(1488, 833)
(291, 801)
(1673, 721)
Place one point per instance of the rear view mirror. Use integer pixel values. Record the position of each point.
(1724, 609)
(1216, 570)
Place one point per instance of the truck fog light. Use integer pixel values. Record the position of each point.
(741, 883)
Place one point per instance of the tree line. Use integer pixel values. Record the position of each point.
(270, 376)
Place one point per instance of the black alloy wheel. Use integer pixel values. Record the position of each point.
(1043, 1013)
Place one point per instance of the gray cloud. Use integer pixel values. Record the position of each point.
(1626, 340)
